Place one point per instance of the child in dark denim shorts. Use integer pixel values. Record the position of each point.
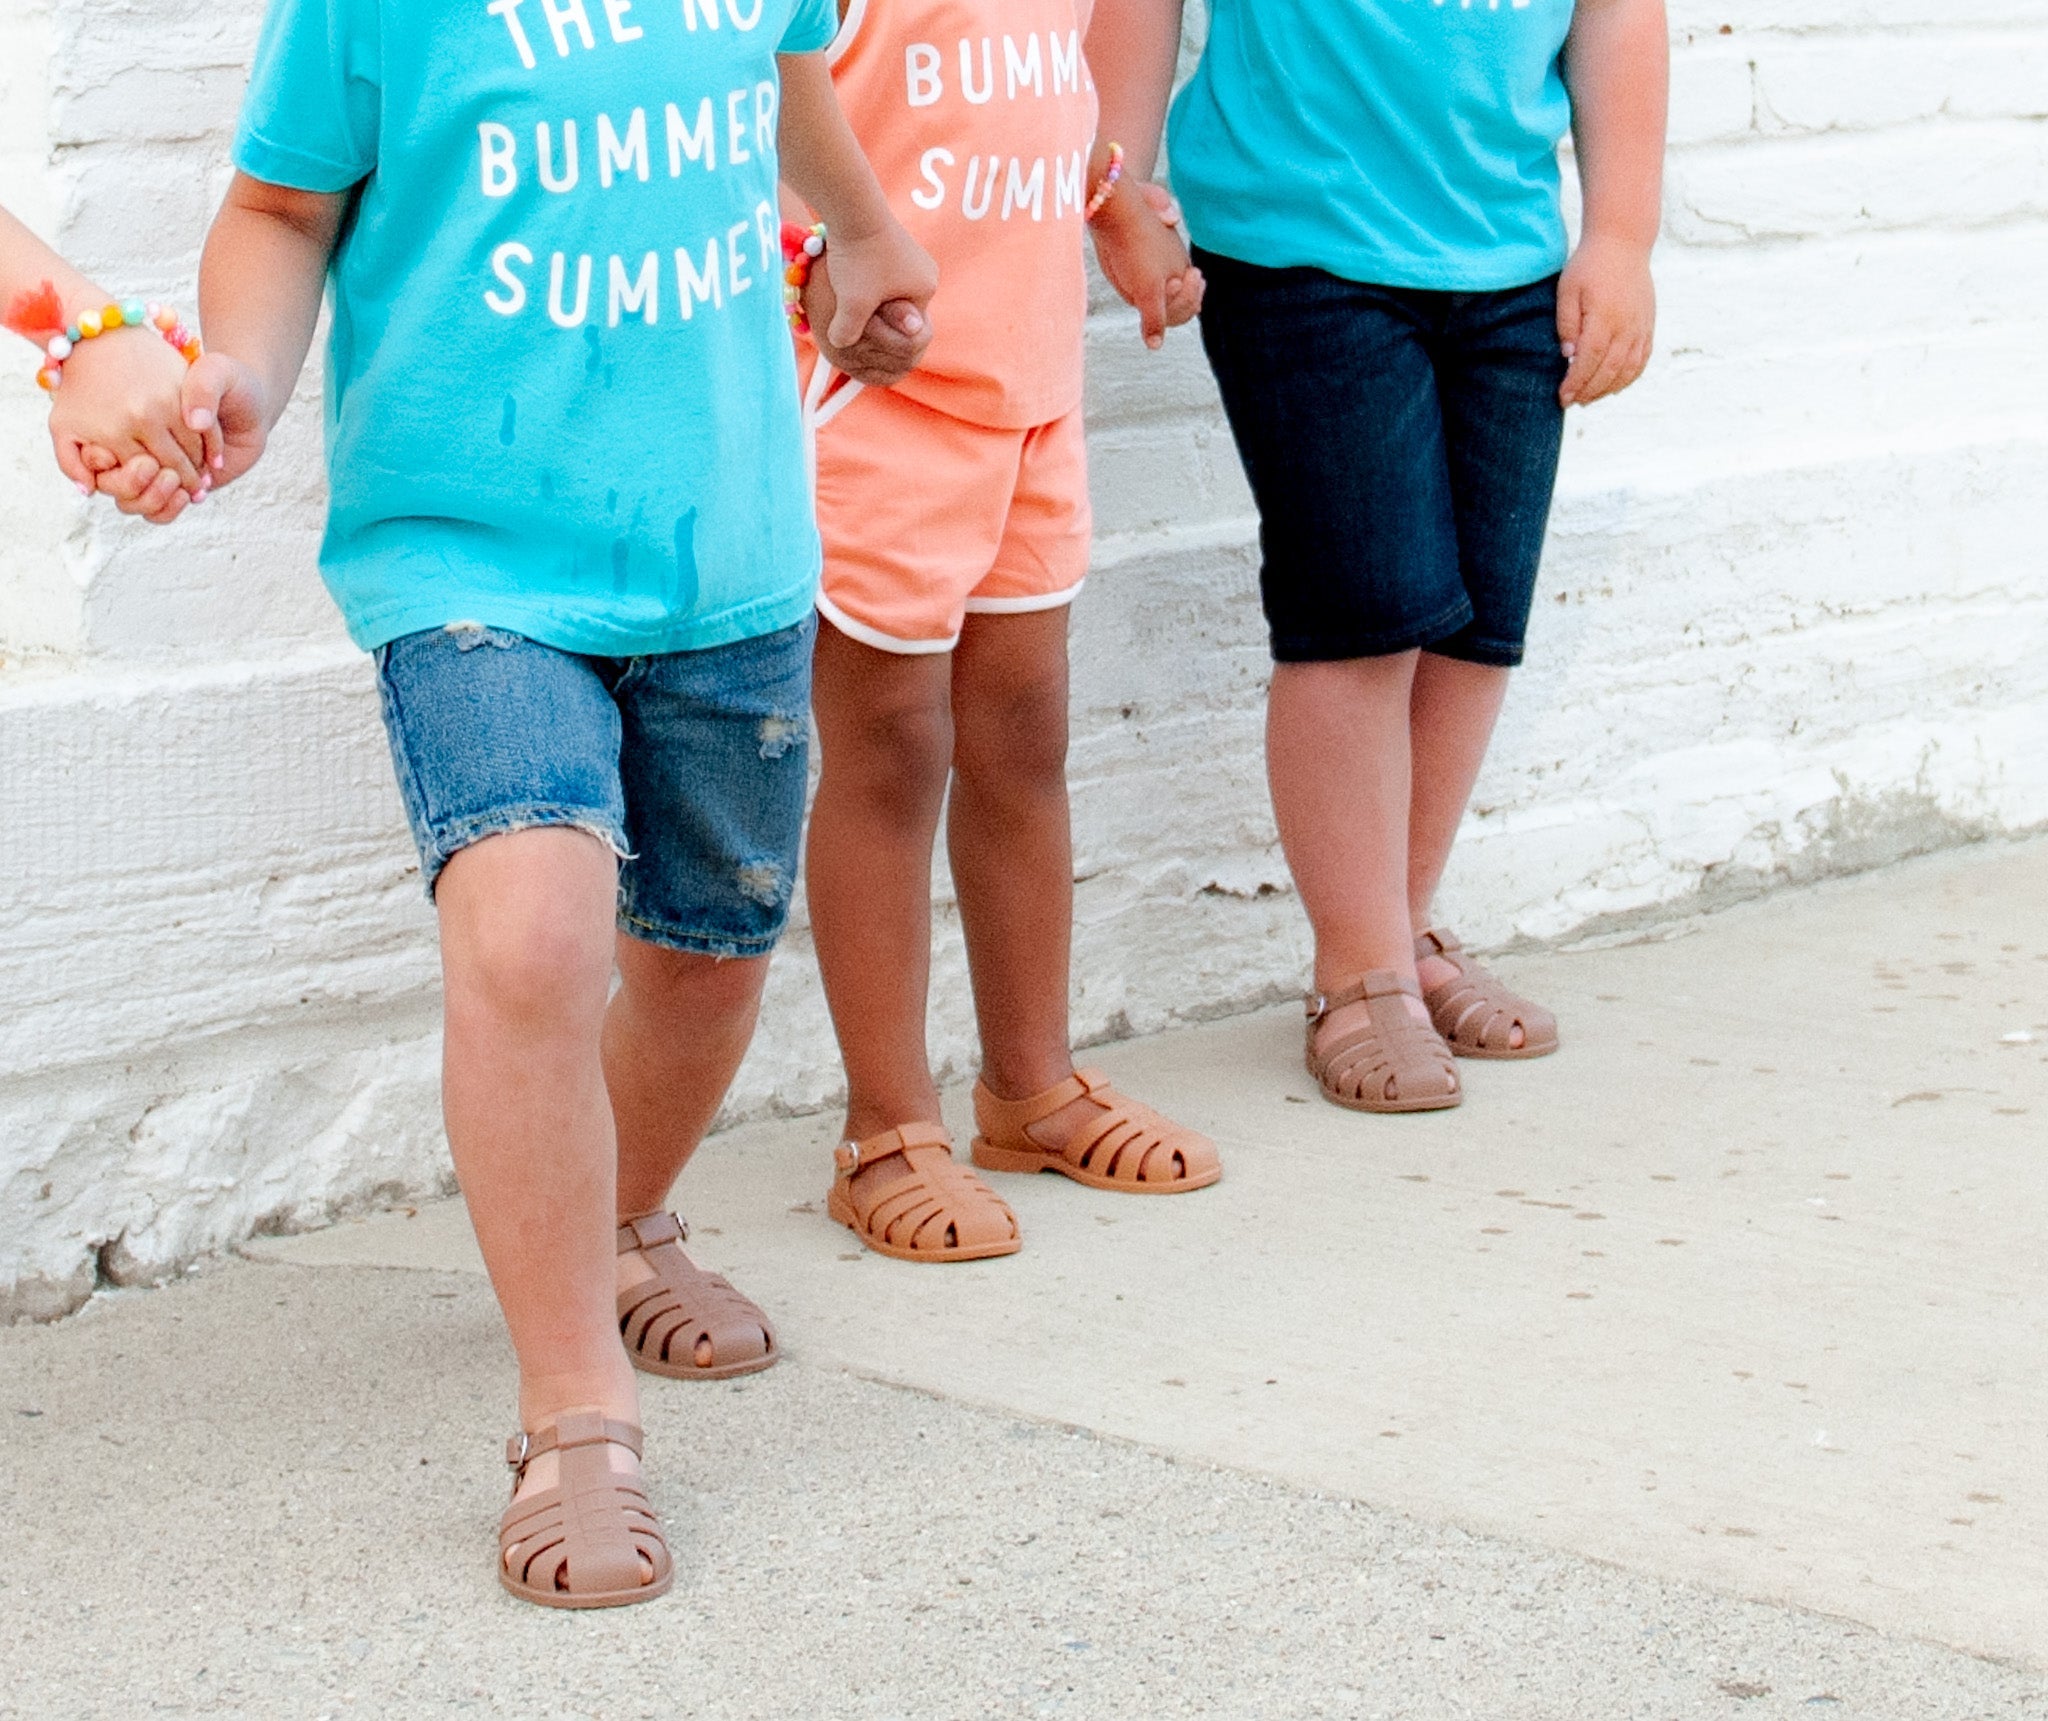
(1397, 330)
(569, 516)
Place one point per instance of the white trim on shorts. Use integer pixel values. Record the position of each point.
(818, 412)
(874, 636)
(1026, 606)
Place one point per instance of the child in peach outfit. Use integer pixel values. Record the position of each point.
(955, 516)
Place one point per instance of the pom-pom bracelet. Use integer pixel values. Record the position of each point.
(801, 247)
(129, 314)
(1106, 188)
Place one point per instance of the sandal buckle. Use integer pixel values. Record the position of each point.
(1318, 1006)
(847, 1157)
(516, 1451)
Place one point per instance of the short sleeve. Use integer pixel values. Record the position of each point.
(310, 119)
(812, 25)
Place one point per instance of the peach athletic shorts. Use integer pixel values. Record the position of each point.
(927, 518)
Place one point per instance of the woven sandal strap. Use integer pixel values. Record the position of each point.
(651, 1230)
(565, 1433)
(1406, 1049)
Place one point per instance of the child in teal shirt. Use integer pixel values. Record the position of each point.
(1397, 329)
(569, 516)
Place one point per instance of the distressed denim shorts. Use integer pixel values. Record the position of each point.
(1402, 445)
(692, 765)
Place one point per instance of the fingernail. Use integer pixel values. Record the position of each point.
(83, 489)
(1569, 350)
(913, 324)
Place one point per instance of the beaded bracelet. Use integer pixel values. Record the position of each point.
(801, 247)
(1107, 187)
(129, 314)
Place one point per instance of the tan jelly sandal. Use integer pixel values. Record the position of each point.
(938, 1210)
(1124, 1146)
(1390, 1062)
(664, 1319)
(1475, 1013)
(581, 1542)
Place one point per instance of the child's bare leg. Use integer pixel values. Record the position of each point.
(1337, 758)
(887, 744)
(674, 1036)
(1010, 838)
(1452, 712)
(526, 952)
(1453, 709)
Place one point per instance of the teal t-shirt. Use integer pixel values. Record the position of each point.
(1404, 143)
(561, 398)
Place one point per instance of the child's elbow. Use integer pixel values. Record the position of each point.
(314, 214)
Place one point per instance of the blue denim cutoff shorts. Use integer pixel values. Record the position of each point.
(692, 765)
(1402, 445)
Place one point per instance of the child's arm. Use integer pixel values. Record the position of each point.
(119, 396)
(260, 285)
(1617, 63)
(876, 281)
(1133, 47)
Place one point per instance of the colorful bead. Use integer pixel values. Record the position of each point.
(801, 247)
(129, 313)
(1111, 176)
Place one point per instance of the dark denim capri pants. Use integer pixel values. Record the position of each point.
(1402, 445)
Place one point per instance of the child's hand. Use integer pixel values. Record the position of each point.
(866, 302)
(221, 403)
(1146, 262)
(224, 403)
(888, 348)
(119, 407)
(1606, 318)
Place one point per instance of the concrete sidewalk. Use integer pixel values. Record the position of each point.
(1694, 1372)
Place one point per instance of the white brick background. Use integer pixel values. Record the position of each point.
(1793, 621)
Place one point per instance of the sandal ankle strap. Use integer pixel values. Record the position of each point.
(1380, 983)
(568, 1431)
(651, 1230)
(990, 1108)
(850, 1156)
(1436, 941)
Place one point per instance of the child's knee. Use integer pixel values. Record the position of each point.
(686, 985)
(898, 753)
(1018, 732)
(527, 944)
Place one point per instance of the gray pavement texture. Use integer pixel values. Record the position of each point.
(1693, 1372)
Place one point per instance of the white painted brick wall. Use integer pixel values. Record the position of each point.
(1793, 621)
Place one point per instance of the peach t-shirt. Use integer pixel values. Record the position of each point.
(979, 116)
